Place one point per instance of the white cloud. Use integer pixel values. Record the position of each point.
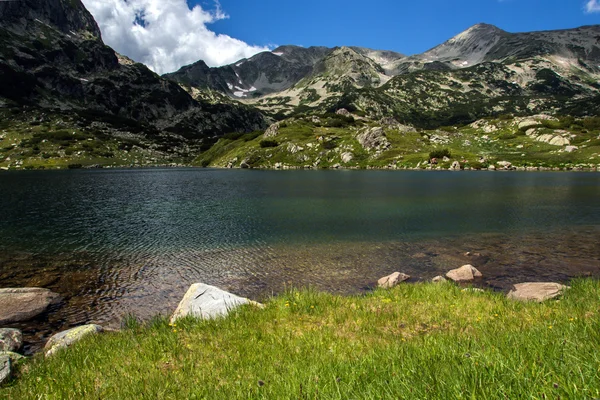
(166, 34)
(592, 6)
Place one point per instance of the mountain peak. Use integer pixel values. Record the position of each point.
(30, 15)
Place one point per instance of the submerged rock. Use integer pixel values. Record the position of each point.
(464, 273)
(206, 302)
(22, 304)
(67, 338)
(10, 339)
(392, 280)
(536, 291)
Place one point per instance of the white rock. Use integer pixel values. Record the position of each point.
(570, 149)
(347, 157)
(4, 368)
(206, 302)
(392, 280)
(464, 273)
(66, 338)
(536, 291)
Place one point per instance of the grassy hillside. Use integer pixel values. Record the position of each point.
(321, 142)
(419, 341)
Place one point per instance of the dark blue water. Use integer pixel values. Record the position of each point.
(133, 211)
(114, 242)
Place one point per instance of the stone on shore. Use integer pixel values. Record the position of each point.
(438, 279)
(536, 291)
(67, 338)
(10, 339)
(22, 304)
(464, 273)
(392, 280)
(4, 369)
(206, 302)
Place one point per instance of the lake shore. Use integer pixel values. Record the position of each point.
(423, 340)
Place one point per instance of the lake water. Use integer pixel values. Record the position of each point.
(115, 242)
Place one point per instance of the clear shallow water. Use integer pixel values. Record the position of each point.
(131, 241)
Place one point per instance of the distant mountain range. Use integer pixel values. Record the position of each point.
(481, 62)
(67, 98)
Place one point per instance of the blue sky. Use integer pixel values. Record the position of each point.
(405, 26)
(167, 34)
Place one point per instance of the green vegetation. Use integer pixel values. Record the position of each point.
(432, 341)
(326, 140)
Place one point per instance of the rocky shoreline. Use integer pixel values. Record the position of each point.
(201, 301)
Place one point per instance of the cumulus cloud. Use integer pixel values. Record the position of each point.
(166, 34)
(592, 6)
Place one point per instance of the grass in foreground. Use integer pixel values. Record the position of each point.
(415, 341)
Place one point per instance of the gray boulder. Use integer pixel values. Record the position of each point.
(464, 273)
(4, 369)
(373, 139)
(22, 304)
(67, 338)
(392, 280)
(536, 291)
(10, 339)
(206, 302)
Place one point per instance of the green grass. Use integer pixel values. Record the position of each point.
(414, 341)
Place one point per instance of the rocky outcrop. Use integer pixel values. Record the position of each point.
(373, 139)
(464, 274)
(272, 131)
(392, 280)
(5, 369)
(536, 291)
(22, 304)
(69, 337)
(206, 302)
(10, 339)
(52, 57)
(556, 138)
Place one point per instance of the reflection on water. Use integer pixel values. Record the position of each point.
(119, 242)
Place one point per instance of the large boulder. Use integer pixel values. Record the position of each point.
(373, 139)
(206, 302)
(22, 304)
(536, 291)
(10, 339)
(67, 338)
(464, 273)
(4, 369)
(272, 130)
(392, 280)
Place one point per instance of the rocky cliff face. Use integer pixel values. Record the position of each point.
(52, 56)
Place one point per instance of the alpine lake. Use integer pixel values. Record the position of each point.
(115, 243)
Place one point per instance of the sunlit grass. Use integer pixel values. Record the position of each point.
(414, 341)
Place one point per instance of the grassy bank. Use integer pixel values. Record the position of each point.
(414, 341)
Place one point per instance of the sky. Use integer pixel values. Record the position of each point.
(168, 34)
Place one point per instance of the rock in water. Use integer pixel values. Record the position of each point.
(4, 368)
(392, 280)
(536, 291)
(464, 273)
(22, 304)
(67, 338)
(10, 339)
(206, 302)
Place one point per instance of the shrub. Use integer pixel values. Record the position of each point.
(268, 143)
(329, 145)
(441, 153)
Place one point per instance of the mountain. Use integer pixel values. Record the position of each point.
(53, 62)
(521, 66)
